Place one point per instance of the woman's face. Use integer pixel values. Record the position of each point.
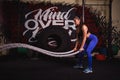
(77, 21)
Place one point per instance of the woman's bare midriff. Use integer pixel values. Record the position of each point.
(88, 34)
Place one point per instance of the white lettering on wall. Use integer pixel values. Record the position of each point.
(43, 19)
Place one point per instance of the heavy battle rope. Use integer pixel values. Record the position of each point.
(46, 52)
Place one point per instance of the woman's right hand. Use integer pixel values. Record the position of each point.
(75, 49)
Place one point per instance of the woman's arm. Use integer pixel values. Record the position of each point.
(76, 44)
(84, 30)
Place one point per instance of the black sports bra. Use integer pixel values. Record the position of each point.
(80, 33)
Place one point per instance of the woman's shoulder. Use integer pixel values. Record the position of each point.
(84, 26)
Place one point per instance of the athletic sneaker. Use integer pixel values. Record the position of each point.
(78, 66)
(87, 70)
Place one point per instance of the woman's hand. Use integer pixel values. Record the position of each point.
(81, 49)
(75, 49)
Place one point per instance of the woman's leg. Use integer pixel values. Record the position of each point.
(91, 46)
(81, 55)
(79, 60)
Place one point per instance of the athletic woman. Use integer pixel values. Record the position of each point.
(87, 44)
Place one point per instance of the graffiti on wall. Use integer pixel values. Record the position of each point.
(43, 19)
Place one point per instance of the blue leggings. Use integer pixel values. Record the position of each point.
(88, 48)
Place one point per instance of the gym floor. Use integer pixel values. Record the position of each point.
(49, 68)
